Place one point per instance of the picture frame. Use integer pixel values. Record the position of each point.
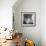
(28, 19)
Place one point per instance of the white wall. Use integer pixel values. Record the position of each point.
(6, 13)
(32, 33)
(43, 22)
(38, 33)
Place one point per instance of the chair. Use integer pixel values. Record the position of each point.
(18, 39)
(29, 43)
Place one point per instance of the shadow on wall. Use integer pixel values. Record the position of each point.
(36, 40)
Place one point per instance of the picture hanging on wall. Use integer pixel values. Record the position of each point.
(28, 19)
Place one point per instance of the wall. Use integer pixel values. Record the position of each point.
(43, 22)
(6, 13)
(32, 33)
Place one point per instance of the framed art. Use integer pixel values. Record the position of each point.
(28, 19)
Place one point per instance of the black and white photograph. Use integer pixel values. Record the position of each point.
(28, 18)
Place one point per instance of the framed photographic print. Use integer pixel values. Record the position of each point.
(28, 19)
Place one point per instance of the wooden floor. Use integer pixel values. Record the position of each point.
(9, 43)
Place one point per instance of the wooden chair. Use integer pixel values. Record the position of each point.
(18, 39)
(29, 43)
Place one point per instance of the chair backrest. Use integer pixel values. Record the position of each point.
(18, 37)
(29, 43)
